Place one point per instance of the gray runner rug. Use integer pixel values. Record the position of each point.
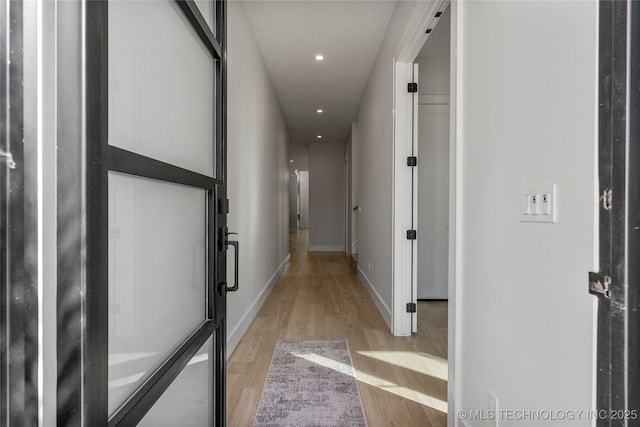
(310, 383)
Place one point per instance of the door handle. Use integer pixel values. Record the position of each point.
(236, 262)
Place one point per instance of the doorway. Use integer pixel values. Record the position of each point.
(142, 207)
(432, 172)
(304, 199)
(407, 226)
(616, 282)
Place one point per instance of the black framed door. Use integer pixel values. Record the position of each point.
(617, 283)
(142, 237)
(18, 217)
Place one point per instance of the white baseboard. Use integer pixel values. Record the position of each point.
(330, 248)
(375, 296)
(354, 247)
(238, 332)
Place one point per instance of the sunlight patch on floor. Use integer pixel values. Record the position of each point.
(407, 393)
(374, 381)
(425, 363)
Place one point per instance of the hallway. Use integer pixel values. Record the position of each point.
(402, 380)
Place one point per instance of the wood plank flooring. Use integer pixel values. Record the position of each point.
(402, 380)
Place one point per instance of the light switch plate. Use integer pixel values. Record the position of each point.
(538, 204)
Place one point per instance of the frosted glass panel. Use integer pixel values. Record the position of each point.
(187, 401)
(157, 276)
(208, 10)
(161, 85)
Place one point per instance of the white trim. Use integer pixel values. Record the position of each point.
(433, 99)
(354, 246)
(234, 337)
(326, 248)
(402, 195)
(455, 216)
(410, 45)
(414, 201)
(375, 296)
(415, 34)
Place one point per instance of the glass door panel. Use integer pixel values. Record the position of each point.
(157, 276)
(161, 85)
(141, 206)
(186, 401)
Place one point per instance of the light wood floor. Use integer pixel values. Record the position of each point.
(402, 380)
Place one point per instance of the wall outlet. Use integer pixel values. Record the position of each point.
(493, 409)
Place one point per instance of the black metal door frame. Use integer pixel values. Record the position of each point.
(84, 161)
(18, 218)
(617, 284)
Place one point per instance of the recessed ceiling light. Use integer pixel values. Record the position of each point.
(319, 136)
(319, 57)
(319, 110)
(290, 161)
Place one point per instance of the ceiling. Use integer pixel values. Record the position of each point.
(291, 33)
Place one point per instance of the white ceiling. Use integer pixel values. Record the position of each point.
(291, 33)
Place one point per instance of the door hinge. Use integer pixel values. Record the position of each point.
(411, 234)
(412, 161)
(599, 285)
(9, 158)
(607, 199)
(412, 87)
(223, 206)
(412, 307)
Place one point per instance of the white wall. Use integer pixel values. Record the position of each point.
(354, 187)
(304, 199)
(433, 202)
(374, 159)
(434, 59)
(326, 197)
(299, 153)
(433, 162)
(527, 116)
(257, 184)
(294, 201)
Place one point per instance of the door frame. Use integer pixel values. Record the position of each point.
(84, 159)
(20, 229)
(617, 283)
(403, 127)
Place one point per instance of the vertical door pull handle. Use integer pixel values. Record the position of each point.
(236, 245)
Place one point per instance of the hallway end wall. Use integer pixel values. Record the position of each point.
(326, 197)
(258, 182)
